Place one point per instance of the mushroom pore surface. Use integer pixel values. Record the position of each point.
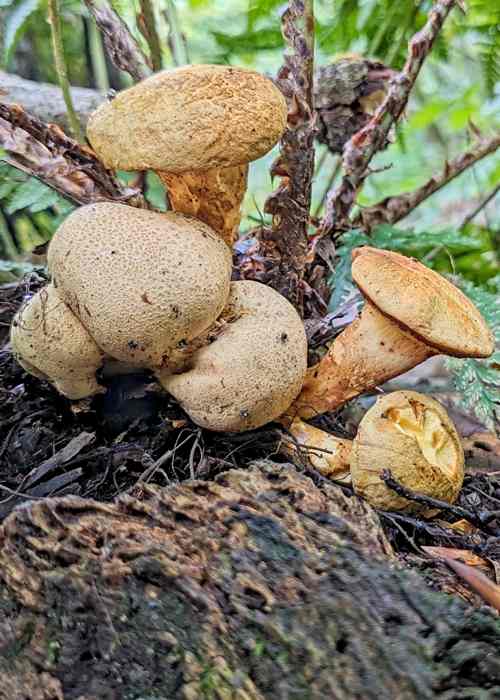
(411, 435)
(250, 374)
(49, 341)
(143, 284)
(190, 118)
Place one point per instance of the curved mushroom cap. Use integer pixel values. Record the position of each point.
(253, 370)
(189, 118)
(49, 341)
(142, 283)
(423, 301)
(411, 435)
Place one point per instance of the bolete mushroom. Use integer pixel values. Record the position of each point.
(143, 284)
(408, 433)
(49, 341)
(198, 127)
(254, 368)
(410, 314)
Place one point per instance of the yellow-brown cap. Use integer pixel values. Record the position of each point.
(422, 301)
(411, 435)
(189, 118)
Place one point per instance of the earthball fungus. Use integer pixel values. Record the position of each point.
(198, 127)
(410, 314)
(253, 368)
(143, 284)
(405, 432)
(50, 342)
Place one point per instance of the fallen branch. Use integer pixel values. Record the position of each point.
(361, 148)
(45, 152)
(393, 209)
(45, 101)
(121, 46)
(290, 203)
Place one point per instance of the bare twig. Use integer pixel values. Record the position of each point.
(45, 152)
(489, 198)
(393, 209)
(176, 39)
(121, 46)
(60, 64)
(290, 203)
(480, 520)
(479, 583)
(148, 28)
(361, 148)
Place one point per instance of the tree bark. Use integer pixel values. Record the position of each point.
(258, 585)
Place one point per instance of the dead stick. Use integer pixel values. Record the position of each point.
(393, 209)
(489, 198)
(47, 153)
(121, 46)
(361, 148)
(290, 203)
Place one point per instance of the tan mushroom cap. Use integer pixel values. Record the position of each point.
(142, 283)
(422, 301)
(49, 341)
(412, 435)
(253, 370)
(190, 118)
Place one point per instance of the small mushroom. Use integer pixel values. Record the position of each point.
(408, 433)
(253, 369)
(410, 314)
(198, 127)
(143, 284)
(49, 341)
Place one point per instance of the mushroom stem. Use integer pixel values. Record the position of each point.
(214, 196)
(370, 351)
(328, 454)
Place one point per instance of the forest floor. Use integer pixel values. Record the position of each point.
(136, 434)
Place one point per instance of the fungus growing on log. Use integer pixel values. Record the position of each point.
(408, 433)
(50, 343)
(253, 370)
(198, 127)
(410, 314)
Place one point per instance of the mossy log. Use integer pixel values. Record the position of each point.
(257, 585)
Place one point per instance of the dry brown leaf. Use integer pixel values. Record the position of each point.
(462, 526)
(464, 555)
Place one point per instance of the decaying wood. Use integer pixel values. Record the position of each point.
(121, 46)
(290, 203)
(44, 151)
(393, 209)
(361, 148)
(258, 585)
(45, 101)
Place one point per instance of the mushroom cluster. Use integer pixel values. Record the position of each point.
(151, 290)
(132, 288)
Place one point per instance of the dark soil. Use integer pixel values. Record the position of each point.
(137, 434)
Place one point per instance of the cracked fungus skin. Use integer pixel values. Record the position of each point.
(411, 435)
(49, 341)
(142, 283)
(423, 301)
(190, 118)
(252, 371)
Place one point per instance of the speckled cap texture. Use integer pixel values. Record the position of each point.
(189, 118)
(142, 283)
(423, 301)
(252, 372)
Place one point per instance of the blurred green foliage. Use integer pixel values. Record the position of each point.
(459, 85)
